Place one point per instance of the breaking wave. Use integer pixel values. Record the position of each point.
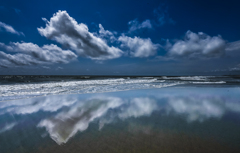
(66, 85)
(18, 91)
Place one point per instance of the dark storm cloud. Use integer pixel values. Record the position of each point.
(32, 54)
(65, 30)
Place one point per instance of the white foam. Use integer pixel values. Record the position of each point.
(193, 78)
(219, 82)
(17, 91)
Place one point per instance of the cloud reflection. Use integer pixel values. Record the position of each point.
(201, 108)
(138, 107)
(7, 127)
(197, 109)
(135, 107)
(29, 106)
(70, 114)
(67, 123)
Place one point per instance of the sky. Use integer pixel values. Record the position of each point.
(105, 37)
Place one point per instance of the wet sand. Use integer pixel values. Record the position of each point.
(180, 119)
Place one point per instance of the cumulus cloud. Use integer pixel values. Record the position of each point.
(65, 30)
(139, 47)
(32, 54)
(198, 45)
(106, 34)
(233, 46)
(8, 60)
(135, 25)
(10, 29)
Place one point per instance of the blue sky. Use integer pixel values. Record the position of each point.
(106, 37)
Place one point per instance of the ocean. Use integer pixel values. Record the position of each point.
(18, 87)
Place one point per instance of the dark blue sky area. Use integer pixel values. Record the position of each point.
(135, 37)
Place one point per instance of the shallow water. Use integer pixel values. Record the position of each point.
(171, 119)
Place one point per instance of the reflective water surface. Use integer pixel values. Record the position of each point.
(174, 119)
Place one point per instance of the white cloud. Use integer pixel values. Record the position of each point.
(236, 68)
(8, 60)
(10, 29)
(135, 25)
(233, 46)
(65, 30)
(198, 45)
(139, 47)
(106, 34)
(32, 54)
(45, 67)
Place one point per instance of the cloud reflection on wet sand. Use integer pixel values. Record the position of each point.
(72, 114)
(66, 124)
